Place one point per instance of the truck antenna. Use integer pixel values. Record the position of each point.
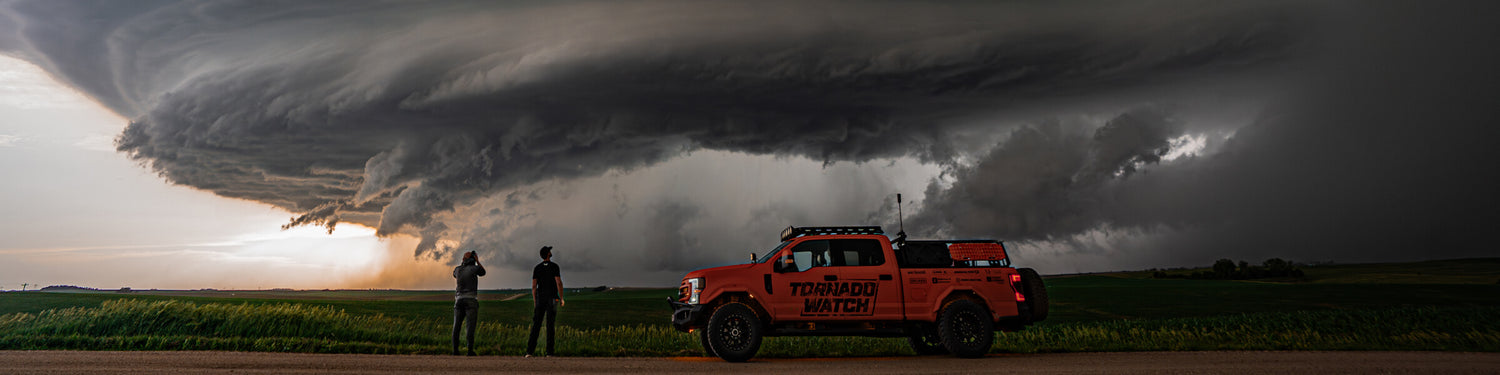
(900, 219)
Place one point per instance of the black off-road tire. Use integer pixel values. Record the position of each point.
(925, 340)
(734, 332)
(708, 350)
(1036, 293)
(966, 329)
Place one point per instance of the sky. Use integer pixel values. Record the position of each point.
(360, 144)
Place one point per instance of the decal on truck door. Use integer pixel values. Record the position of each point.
(836, 298)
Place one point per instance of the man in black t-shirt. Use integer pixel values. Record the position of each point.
(546, 292)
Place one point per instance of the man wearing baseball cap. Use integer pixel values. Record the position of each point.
(466, 298)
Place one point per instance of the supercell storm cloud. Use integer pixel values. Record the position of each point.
(1052, 123)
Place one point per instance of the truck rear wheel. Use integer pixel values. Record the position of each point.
(966, 329)
(925, 340)
(708, 350)
(734, 332)
(1036, 293)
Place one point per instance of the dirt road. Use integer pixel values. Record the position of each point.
(1321, 363)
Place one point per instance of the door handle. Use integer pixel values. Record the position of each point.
(885, 277)
(830, 277)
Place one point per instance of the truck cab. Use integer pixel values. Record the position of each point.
(943, 296)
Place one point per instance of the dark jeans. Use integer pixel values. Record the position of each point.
(465, 310)
(547, 308)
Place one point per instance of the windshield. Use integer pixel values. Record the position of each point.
(772, 254)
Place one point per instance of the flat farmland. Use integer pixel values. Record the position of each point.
(1242, 362)
(1346, 307)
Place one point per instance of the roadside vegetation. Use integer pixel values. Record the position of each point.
(1116, 312)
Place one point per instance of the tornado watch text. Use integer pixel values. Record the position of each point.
(835, 298)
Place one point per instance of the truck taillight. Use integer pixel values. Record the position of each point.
(1015, 284)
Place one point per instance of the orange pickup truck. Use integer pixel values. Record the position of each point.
(944, 296)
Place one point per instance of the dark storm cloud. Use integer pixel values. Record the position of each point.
(1381, 152)
(392, 113)
(670, 247)
(1048, 180)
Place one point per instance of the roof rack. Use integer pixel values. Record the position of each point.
(794, 232)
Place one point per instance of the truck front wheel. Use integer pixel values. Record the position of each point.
(966, 329)
(734, 332)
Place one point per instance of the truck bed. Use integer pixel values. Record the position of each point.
(951, 254)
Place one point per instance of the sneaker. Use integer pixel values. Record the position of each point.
(528, 356)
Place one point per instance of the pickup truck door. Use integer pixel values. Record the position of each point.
(836, 279)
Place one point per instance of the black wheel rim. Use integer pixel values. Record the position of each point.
(967, 325)
(735, 333)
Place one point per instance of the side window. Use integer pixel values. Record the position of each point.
(857, 252)
(811, 254)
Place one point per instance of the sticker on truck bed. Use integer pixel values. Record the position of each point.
(836, 298)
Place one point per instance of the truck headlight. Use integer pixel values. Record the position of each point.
(695, 287)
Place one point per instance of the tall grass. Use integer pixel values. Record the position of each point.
(1409, 328)
(177, 325)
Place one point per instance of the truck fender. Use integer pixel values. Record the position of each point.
(718, 291)
(723, 295)
(943, 298)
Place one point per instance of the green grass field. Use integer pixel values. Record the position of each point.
(1345, 307)
(621, 307)
(1481, 271)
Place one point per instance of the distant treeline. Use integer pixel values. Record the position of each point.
(1226, 269)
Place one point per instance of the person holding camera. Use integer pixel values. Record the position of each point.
(466, 298)
(546, 293)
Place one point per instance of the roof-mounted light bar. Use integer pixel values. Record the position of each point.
(794, 232)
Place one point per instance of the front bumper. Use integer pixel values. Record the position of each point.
(685, 316)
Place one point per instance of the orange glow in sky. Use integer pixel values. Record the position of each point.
(79, 213)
